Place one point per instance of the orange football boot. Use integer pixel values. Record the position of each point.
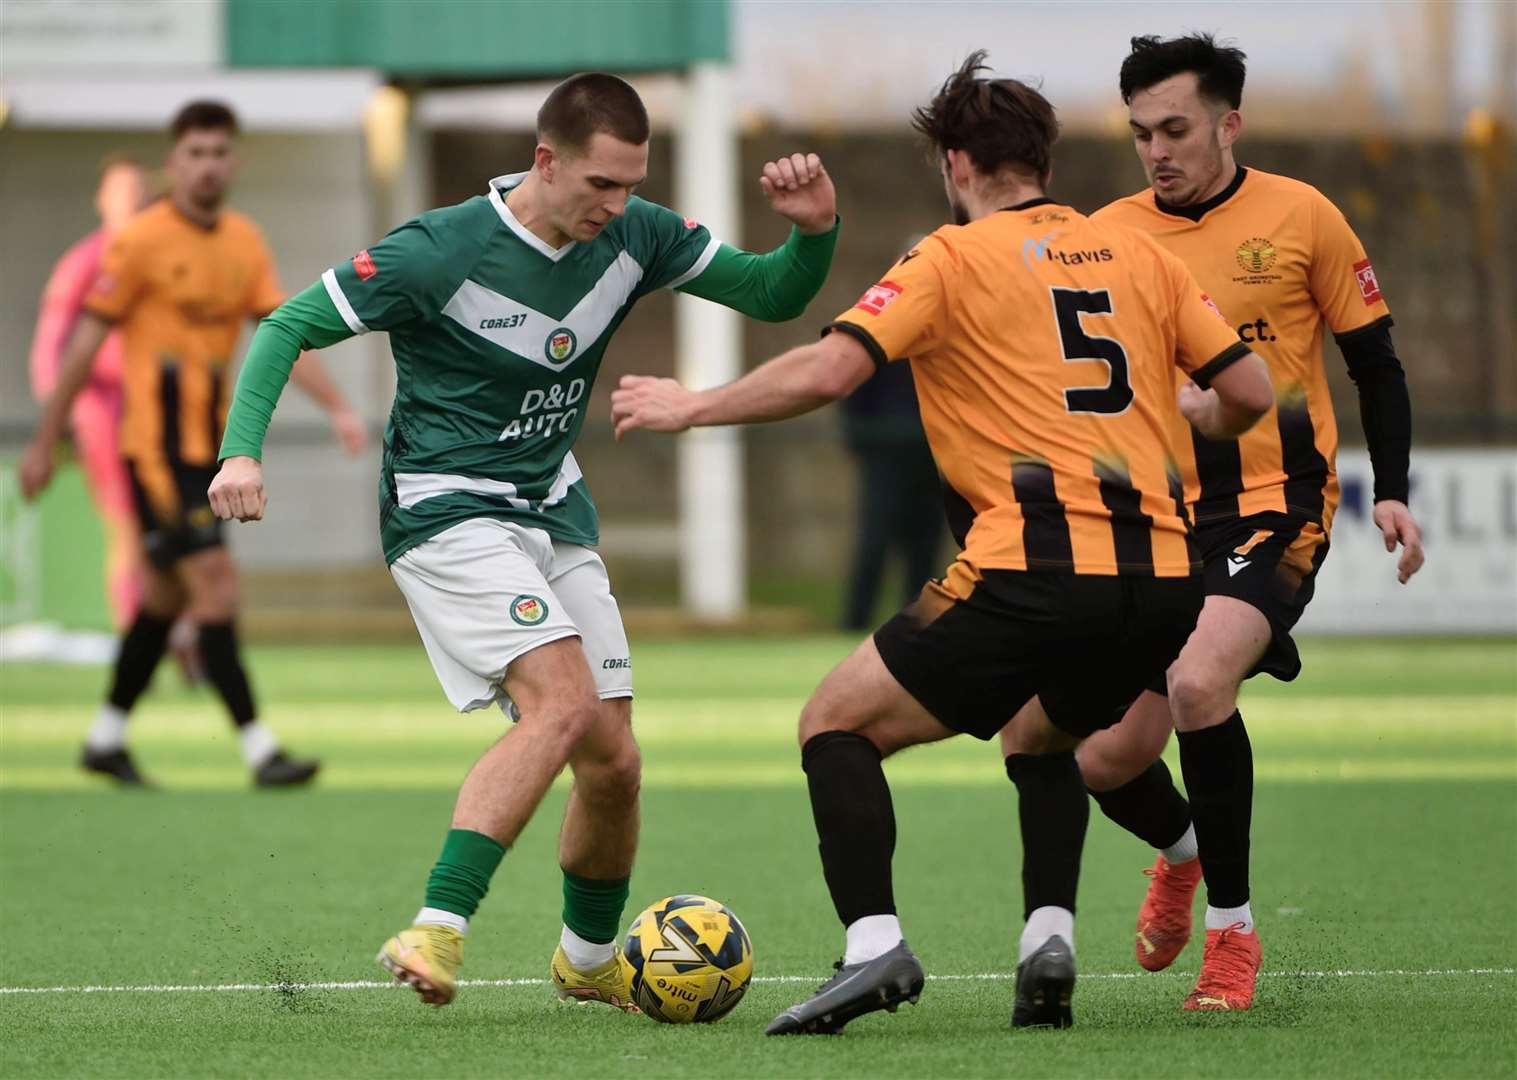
(1229, 968)
(1164, 918)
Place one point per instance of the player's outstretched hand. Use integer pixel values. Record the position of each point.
(1396, 524)
(641, 401)
(798, 188)
(36, 469)
(350, 430)
(237, 492)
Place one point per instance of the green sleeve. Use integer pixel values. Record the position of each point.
(775, 286)
(308, 320)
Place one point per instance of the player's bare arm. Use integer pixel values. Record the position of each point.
(312, 377)
(78, 358)
(799, 189)
(791, 384)
(1238, 396)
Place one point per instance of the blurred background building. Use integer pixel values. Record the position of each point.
(360, 113)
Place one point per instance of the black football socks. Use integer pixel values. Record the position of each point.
(1148, 806)
(223, 667)
(1054, 811)
(1218, 766)
(142, 646)
(855, 822)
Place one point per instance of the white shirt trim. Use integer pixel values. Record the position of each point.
(340, 302)
(526, 330)
(569, 474)
(698, 267)
(524, 234)
(412, 488)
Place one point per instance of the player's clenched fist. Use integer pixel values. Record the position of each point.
(237, 492)
(798, 188)
(641, 401)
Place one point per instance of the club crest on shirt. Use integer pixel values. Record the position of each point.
(1256, 255)
(529, 610)
(560, 345)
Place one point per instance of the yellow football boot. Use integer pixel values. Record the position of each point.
(610, 983)
(426, 958)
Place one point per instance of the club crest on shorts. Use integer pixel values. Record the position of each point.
(560, 345)
(529, 610)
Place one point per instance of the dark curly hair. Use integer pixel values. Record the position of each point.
(1219, 69)
(998, 122)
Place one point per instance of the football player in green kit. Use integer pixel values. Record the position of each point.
(499, 310)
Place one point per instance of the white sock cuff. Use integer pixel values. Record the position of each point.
(431, 916)
(1183, 849)
(109, 730)
(585, 955)
(1042, 924)
(871, 936)
(257, 743)
(1222, 918)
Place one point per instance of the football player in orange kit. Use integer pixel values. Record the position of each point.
(1044, 347)
(179, 280)
(1284, 267)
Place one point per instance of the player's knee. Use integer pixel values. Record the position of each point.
(213, 594)
(577, 718)
(1096, 767)
(1108, 763)
(821, 715)
(1198, 697)
(614, 780)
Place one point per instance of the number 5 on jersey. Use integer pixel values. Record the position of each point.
(1113, 398)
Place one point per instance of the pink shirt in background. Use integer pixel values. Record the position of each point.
(62, 302)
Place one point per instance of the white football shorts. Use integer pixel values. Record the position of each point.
(486, 591)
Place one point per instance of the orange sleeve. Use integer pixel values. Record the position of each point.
(905, 313)
(1341, 278)
(121, 277)
(265, 293)
(1204, 341)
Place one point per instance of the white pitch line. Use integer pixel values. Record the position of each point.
(996, 976)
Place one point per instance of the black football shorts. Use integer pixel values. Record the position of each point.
(174, 510)
(1085, 645)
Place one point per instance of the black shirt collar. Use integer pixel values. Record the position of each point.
(1196, 211)
(1041, 200)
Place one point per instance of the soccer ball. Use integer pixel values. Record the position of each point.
(690, 960)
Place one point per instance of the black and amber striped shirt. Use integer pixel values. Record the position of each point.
(180, 292)
(1282, 264)
(1044, 347)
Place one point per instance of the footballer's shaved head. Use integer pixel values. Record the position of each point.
(588, 104)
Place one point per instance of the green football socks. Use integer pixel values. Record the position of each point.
(462, 875)
(592, 908)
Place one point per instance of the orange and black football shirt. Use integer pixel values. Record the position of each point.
(1281, 263)
(179, 292)
(1044, 346)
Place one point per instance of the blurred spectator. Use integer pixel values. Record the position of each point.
(900, 497)
(96, 414)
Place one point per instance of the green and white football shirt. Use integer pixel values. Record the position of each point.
(497, 340)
